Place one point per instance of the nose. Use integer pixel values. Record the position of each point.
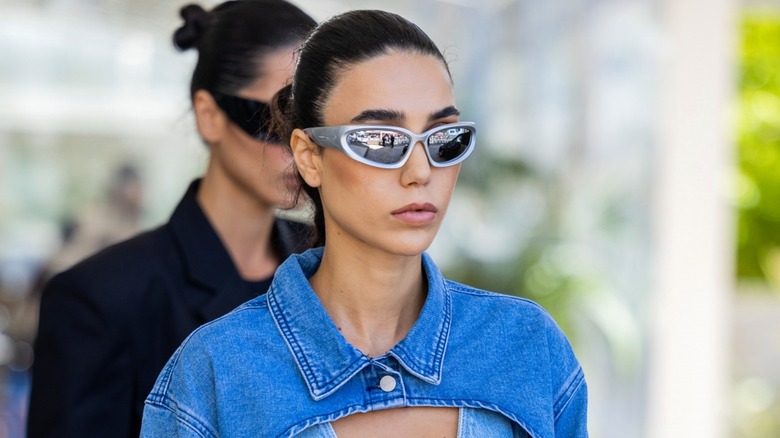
(417, 169)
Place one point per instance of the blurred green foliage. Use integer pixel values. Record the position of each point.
(540, 271)
(758, 136)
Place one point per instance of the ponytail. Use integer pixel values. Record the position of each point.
(282, 125)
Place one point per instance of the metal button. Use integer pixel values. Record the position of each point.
(387, 383)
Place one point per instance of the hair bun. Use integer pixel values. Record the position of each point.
(195, 20)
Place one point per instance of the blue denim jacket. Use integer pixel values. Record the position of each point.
(277, 365)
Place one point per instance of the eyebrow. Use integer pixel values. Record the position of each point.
(383, 115)
(379, 115)
(443, 113)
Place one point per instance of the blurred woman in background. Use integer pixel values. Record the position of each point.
(109, 324)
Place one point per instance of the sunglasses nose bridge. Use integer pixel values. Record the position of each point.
(424, 150)
(422, 140)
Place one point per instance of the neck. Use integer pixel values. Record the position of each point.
(374, 299)
(243, 225)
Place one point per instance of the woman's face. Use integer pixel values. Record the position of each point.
(397, 211)
(262, 169)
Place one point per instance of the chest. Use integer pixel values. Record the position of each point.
(408, 422)
(422, 422)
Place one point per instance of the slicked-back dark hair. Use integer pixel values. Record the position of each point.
(333, 47)
(233, 38)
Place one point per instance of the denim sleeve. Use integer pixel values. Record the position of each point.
(571, 409)
(181, 403)
(161, 421)
(571, 401)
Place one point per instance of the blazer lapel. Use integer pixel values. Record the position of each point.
(209, 266)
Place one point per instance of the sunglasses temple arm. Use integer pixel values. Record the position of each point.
(325, 136)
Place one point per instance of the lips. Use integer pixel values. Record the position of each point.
(416, 213)
(417, 207)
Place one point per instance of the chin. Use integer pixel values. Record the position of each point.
(409, 249)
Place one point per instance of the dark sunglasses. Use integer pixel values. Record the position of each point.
(388, 147)
(252, 116)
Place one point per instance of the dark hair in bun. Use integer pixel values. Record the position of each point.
(195, 19)
(233, 38)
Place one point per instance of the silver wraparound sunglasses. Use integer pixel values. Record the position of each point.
(388, 147)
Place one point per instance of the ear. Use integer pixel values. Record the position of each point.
(307, 157)
(212, 121)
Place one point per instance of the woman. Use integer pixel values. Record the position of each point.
(363, 337)
(109, 324)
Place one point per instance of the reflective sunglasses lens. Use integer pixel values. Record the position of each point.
(449, 144)
(379, 146)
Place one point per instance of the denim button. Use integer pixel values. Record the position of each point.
(387, 383)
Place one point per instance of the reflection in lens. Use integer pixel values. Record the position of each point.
(381, 146)
(388, 146)
(449, 144)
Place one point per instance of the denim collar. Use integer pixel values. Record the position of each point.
(325, 359)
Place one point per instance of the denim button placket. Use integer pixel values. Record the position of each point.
(384, 385)
(387, 383)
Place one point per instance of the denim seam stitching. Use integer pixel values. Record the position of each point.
(318, 390)
(573, 386)
(430, 372)
(283, 325)
(184, 418)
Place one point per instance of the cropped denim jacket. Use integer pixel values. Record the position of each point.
(278, 366)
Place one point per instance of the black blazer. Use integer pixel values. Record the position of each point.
(109, 324)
